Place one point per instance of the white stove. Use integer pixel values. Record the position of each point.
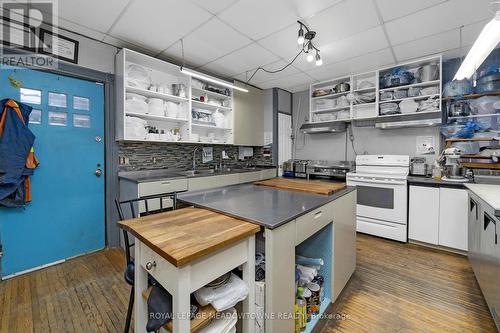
(382, 195)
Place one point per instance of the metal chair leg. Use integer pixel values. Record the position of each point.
(129, 311)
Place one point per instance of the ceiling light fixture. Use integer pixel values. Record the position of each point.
(307, 44)
(487, 41)
(300, 39)
(319, 61)
(211, 79)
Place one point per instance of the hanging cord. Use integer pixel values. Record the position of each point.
(351, 138)
(182, 52)
(275, 71)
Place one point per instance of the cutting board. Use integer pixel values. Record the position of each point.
(302, 185)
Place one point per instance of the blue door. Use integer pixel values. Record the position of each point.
(66, 216)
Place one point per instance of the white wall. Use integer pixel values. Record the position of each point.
(366, 140)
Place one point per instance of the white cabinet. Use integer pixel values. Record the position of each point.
(439, 216)
(202, 183)
(248, 177)
(249, 117)
(269, 173)
(453, 217)
(226, 180)
(423, 222)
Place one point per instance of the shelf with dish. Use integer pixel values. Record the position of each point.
(331, 95)
(413, 85)
(201, 91)
(416, 98)
(154, 94)
(210, 106)
(155, 117)
(211, 126)
(437, 111)
(337, 108)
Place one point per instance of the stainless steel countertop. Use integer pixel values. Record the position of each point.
(489, 193)
(266, 206)
(429, 181)
(167, 174)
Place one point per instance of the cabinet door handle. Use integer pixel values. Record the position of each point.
(150, 265)
(318, 215)
(487, 220)
(473, 205)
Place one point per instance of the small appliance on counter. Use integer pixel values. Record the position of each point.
(301, 168)
(289, 168)
(418, 166)
(452, 169)
(329, 169)
(295, 168)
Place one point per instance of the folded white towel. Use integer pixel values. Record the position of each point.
(225, 296)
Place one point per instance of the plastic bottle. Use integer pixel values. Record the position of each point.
(300, 311)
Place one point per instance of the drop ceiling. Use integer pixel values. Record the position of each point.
(231, 38)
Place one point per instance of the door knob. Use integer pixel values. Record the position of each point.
(98, 172)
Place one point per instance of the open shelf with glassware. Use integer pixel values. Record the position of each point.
(156, 101)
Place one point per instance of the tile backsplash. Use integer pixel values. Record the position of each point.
(150, 156)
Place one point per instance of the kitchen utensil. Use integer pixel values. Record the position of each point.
(386, 95)
(458, 109)
(136, 106)
(428, 72)
(488, 83)
(396, 78)
(400, 93)
(342, 87)
(408, 106)
(156, 107)
(457, 88)
(418, 166)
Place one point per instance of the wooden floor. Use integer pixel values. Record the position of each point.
(86, 294)
(396, 288)
(408, 288)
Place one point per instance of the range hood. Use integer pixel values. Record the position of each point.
(410, 123)
(323, 127)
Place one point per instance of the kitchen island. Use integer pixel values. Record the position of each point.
(294, 222)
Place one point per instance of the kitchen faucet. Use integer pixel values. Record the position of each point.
(194, 156)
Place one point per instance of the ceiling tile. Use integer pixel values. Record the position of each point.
(440, 43)
(156, 26)
(392, 9)
(210, 41)
(306, 9)
(95, 14)
(259, 18)
(364, 42)
(214, 6)
(343, 20)
(364, 63)
(427, 46)
(284, 42)
(262, 76)
(300, 87)
(446, 16)
(244, 59)
(289, 81)
(83, 30)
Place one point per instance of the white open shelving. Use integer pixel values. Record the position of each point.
(367, 84)
(181, 125)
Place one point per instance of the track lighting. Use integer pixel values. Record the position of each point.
(319, 61)
(300, 39)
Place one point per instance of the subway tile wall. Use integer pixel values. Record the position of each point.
(150, 156)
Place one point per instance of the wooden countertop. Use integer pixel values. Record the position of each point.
(302, 185)
(184, 235)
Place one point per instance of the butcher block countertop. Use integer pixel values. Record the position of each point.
(302, 185)
(184, 235)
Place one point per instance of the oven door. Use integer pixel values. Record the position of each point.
(380, 198)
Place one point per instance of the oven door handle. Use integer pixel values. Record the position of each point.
(375, 181)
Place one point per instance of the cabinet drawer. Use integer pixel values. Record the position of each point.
(165, 186)
(157, 262)
(310, 223)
